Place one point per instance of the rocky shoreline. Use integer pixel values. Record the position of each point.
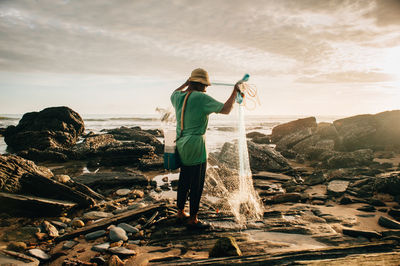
(75, 198)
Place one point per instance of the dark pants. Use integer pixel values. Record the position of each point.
(191, 183)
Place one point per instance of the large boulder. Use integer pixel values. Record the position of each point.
(137, 134)
(388, 184)
(261, 157)
(363, 157)
(282, 130)
(369, 131)
(51, 128)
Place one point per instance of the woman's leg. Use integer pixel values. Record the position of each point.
(183, 189)
(196, 190)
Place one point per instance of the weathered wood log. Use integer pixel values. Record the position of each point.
(9, 257)
(41, 186)
(297, 256)
(119, 218)
(113, 179)
(22, 205)
(86, 190)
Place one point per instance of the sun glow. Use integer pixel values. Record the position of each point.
(391, 63)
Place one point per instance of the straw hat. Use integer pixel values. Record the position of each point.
(200, 75)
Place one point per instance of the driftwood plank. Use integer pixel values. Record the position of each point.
(119, 218)
(297, 256)
(44, 187)
(23, 205)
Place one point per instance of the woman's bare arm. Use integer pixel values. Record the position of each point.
(231, 100)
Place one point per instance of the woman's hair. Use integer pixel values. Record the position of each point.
(197, 86)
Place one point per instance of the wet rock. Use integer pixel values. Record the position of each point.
(95, 145)
(282, 130)
(17, 246)
(377, 203)
(101, 247)
(394, 213)
(362, 233)
(345, 200)
(315, 179)
(100, 261)
(287, 197)
(69, 244)
(388, 184)
(337, 187)
(136, 134)
(50, 229)
(367, 208)
(116, 234)
(388, 223)
(38, 253)
(165, 186)
(262, 157)
(293, 139)
(225, 247)
(51, 128)
(350, 159)
(94, 215)
(95, 235)
(128, 228)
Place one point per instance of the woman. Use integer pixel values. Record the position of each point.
(191, 140)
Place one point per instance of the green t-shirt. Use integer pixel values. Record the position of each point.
(191, 145)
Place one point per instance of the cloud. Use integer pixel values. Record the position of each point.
(348, 77)
(227, 37)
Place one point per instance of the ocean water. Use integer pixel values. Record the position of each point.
(221, 128)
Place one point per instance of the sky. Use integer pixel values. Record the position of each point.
(306, 57)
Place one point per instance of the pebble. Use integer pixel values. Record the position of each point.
(38, 253)
(101, 247)
(65, 220)
(62, 178)
(134, 242)
(98, 260)
(16, 246)
(77, 223)
(50, 229)
(138, 193)
(128, 228)
(122, 251)
(123, 192)
(69, 244)
(158, 190)
(165, 186)
(117, 234)
(116, 244)
(115, 261)
(165, 179)
(95, 235)
(94, 215)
